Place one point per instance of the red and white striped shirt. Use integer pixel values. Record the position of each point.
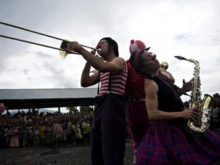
(118, 82)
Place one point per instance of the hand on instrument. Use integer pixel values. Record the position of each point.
(190, 114)
(74, 46)
(93, 51)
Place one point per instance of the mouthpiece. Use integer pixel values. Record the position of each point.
(180, 57)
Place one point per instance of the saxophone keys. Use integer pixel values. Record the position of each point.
(205, 111)
(204, 119)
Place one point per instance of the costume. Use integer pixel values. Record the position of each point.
(109, 126)
(136, 113)
(169, 142)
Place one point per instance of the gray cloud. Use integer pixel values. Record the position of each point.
(25, 71)
(57, 76)
(44, 55)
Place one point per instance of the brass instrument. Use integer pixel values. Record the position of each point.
(62, 49)
(164, 65)
(203, 106)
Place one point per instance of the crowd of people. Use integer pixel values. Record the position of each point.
(45, 129)
(52, 129)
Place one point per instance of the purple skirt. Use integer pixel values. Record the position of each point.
(164, 143)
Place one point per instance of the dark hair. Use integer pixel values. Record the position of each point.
(112, 44)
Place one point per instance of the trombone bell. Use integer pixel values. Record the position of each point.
(63, 49)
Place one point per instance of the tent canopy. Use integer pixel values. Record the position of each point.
(47, 98)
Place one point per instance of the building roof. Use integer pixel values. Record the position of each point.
(46, 98)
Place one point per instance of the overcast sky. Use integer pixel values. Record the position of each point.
(170, 27)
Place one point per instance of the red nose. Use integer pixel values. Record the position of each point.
(98, 46)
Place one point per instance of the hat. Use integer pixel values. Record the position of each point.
(137, 45)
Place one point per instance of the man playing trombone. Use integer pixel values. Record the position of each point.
(109, 126)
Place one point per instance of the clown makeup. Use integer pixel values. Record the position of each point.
(103, 47)
(148, 57)
(150, 63)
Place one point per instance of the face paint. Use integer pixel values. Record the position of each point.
(150, 63)
(98, 46)
(150, 57)
(103, 48)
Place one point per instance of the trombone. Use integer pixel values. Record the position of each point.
(62, 49)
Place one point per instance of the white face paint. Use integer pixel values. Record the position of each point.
(103, 51)
(151, 64)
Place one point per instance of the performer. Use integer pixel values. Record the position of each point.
(166, 140)
(109, 126)
(136, 113)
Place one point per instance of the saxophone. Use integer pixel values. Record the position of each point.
(203, 106)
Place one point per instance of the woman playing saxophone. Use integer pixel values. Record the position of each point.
(166, 140)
